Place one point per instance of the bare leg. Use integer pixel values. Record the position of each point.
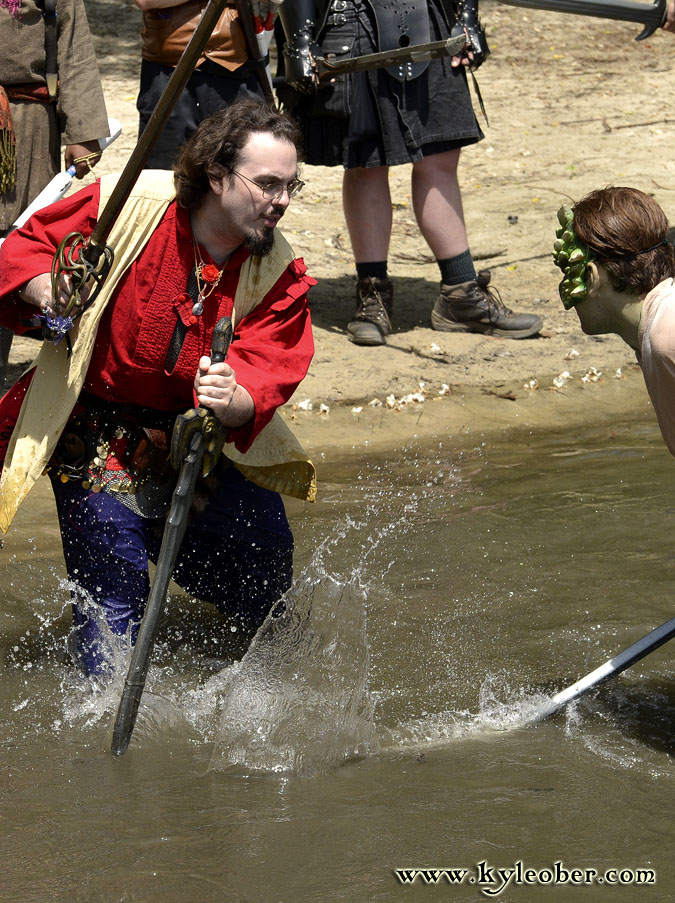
(367, 207)
(437, 202)
(468, 306)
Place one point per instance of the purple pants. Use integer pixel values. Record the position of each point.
(237, 554)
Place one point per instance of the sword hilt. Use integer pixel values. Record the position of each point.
(220, 340)
(201, 420)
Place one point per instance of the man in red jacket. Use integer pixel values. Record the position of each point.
(150, 360)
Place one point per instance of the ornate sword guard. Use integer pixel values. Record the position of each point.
(200, 419)
(197, 420)
(87, 266)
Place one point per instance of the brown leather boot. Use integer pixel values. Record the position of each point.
(371, 323)
(475, 307)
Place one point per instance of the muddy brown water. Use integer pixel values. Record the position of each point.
(378, 723)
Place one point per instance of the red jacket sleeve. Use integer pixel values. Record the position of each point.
(28, 252)
(273, 349)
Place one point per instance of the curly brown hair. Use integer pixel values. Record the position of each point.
(220, 139)
(628, 233)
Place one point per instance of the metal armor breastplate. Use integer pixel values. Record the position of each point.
(401, 23)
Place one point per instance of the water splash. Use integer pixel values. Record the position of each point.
(302, 686)
(298, 701)
(500, 708)
(301, 700)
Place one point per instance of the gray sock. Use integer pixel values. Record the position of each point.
(457, 269)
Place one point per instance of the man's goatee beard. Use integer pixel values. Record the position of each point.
(260, 245)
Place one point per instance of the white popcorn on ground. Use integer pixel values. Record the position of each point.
(592, 376)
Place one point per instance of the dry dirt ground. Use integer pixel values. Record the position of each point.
(573, 103)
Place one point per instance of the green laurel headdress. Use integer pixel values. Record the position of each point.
(573, 257)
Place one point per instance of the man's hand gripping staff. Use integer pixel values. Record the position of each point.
(70, 288)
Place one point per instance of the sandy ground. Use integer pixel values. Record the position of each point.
(573, 103)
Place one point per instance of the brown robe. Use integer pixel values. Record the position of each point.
(81, 114)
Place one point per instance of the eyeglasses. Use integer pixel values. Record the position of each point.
(274, 190)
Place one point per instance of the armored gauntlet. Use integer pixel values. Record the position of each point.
(298, 18)
(468, 21)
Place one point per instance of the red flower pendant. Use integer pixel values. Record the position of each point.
(210, 273)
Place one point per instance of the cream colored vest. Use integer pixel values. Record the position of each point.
(275, 460)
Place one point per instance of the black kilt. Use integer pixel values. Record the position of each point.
(371, 118)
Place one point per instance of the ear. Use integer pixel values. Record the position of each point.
(593, 278)
(215, 174)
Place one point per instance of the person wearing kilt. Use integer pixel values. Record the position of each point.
(418, 113)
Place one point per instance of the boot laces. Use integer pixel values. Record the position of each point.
(495, 306)
(371, 305)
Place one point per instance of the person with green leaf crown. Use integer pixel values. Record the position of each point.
(619, 264)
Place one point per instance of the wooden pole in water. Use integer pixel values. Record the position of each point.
(611, 668)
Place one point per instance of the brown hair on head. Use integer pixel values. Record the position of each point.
(220, 139)
(627, 231)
